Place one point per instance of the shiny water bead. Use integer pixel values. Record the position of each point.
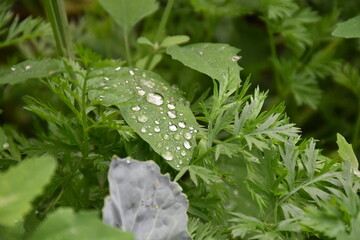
(136, 108)
(167, 155)
(171, 106)
(141, 92)
(235, 58)
(155, 99)
(181, 124)
(187, 135)
(142, 118)
(156, 129)
(117, 69)
(143, 130)
(27, 67)
(187, 145)
(131, 73)
(171, 114)
(173, 128)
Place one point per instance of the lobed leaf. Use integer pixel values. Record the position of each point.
(346, 152)
(66, 224)
(20, 184)
(348, 29)
(145, 202)
(155, 110)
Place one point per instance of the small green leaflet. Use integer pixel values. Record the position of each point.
(346, 152)
(217, 60)
(348, 29)
(155, 110)
(127, 13)
(31, 69)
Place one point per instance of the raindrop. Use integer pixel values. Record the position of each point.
(182, 124)
(144, 75)
(235, 58)
(117, 69)
(171, 106)
(143, 130)
(106, 87)
(141, 92)
(128, 161)
(106, 78)
(155, 99)
(187, 135)
(201, 52)
(183, 153)
(142, 118)
(157, 122)
(177, 148)
(167, 156)
(6, 145)
(171, 114)
(173, 128)
(149, 84)
(187, 145)
(177, 165)
(131, 73)
(191, 128)
(101, 97)
(136, 108)
(177, 137)
(166, 137)
(150, 134)
(156, 129)
(27, 67)
(102, 84)
(13, 68)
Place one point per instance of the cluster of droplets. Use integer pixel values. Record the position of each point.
(26, 68)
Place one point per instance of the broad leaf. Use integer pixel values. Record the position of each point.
(31, 69)
(154, 109)
(67, 225)
(20, 184)
(174, 40)
(346, 152)
(127, 13)
(348, 29)
(145, 202)
(219, 61)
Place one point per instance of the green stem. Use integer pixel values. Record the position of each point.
(84, 120)
(55, 11)
(127, 46)
(164, 19)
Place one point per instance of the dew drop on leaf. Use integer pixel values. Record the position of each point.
(143, 130)
(141, 92)
(183, 153)
(142, 118)
(187, 145)
(27, 67)
(166, 136)
(235, 58)
(182, 124)
(117, 69)
(173, 128)
(167, 155)
(13, 68)
(156, 129)
(177, 137)
(171, 114)
(155, 99)
(136, 108)
(187, 135)
(171, 106)
(131, 73)
(157, 122)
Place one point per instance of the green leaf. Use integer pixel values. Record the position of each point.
(145, 202)
(174, 40)
(204, 174)
(155, 110)
(348, 29)
(128, 13)
(145, 41)
(20, 184)
(64, 224)
(346, 152)
(217, 60)
(31, 69)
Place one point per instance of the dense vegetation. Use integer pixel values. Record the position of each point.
(259, 143)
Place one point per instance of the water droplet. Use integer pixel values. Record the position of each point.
(182, 124)
(150, 134)
(183, 153)
(177, 165)
(177, 148)
(136, 108)
(131, 73)
(191, 128)
(141, 92)
(155, 99)
(143, 130)
(171, 114)
(106, 87)
(156, 129)
(149, 84)
(171, 106)
(173, 128)
(13, 68)
(128, 161)
(6, 145)
(177, 137)
(167, 155)
(27, 67)
(101, 97)
(106, 78)
(144, 75)
(187, 135)
(157, 122)
(142, 118)
(187, 145)
(166, 137)
(102, 84)
(236, 192)
(201, 52)
(235, 58)
(117, 69)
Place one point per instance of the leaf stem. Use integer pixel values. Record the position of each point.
(164, 19)
(127, 46)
